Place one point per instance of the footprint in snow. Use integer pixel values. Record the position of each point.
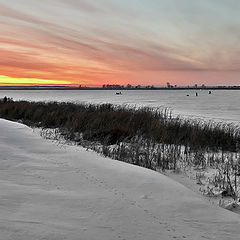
(147, 196)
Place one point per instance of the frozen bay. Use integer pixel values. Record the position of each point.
(221, 105)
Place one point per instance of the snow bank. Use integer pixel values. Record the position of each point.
(50, 191)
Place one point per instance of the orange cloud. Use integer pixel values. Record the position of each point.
(75, 42)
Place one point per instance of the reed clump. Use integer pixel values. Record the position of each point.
(111, 124)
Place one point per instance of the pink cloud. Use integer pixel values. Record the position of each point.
(44, 47)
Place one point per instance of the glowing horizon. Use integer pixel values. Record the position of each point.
(87, 42)
(9, 81)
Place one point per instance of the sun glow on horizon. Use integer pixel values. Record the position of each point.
(13, 81)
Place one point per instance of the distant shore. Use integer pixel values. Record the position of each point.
(118, 88)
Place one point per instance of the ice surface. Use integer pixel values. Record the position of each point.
(49, 191)
(221, 105)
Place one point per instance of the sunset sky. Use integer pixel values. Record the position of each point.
(95, 42)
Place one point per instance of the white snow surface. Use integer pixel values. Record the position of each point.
(54, 192)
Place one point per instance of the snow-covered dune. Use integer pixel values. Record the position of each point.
(55, 192)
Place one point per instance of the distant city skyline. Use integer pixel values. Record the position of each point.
(138, 42)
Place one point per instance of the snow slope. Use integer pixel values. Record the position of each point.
(57, 192)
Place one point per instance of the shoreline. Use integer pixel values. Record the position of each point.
(142, 136)
(119, 88)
